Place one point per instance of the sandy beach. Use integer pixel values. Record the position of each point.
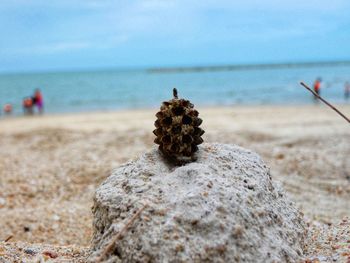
(50, 166)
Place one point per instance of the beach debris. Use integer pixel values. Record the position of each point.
(324, 101)
(120, 234)
(30, 251)
(198, 212)
(50, 254)
(39, 253)
(177, 130)
(8, 238)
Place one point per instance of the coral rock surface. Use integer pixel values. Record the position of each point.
(222, 208)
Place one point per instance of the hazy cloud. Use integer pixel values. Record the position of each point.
(205, 30)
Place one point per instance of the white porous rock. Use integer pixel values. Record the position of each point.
(224, 207)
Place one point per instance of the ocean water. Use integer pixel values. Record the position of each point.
(130, 89)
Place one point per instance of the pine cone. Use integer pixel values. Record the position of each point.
(177, 130)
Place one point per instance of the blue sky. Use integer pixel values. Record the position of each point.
(87, 34)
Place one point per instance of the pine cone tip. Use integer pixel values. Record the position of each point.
(175, 93)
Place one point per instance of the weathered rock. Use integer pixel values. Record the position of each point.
(222, 208)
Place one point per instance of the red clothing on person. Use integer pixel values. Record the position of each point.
(317, 86)
(7, 108)
(27, 102)
(38, 97)
(39, 101)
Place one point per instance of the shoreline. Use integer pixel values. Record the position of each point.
(205, 107)
(155, 108)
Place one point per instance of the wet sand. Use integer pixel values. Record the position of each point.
(50, 166)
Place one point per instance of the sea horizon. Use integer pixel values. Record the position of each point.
(192, 67)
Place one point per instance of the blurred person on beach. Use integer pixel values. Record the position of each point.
(28, 105)
(347, 90)
(7, 108)
(317, 87)
(38, 100)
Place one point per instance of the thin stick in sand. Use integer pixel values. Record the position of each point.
(326, 102)
(8, 238)
(120, 234)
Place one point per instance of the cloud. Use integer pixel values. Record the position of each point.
(60, 47)
(45, 49)
(186, 20)
(162, 28)
(63, 47)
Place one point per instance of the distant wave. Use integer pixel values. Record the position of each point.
(248, 67)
